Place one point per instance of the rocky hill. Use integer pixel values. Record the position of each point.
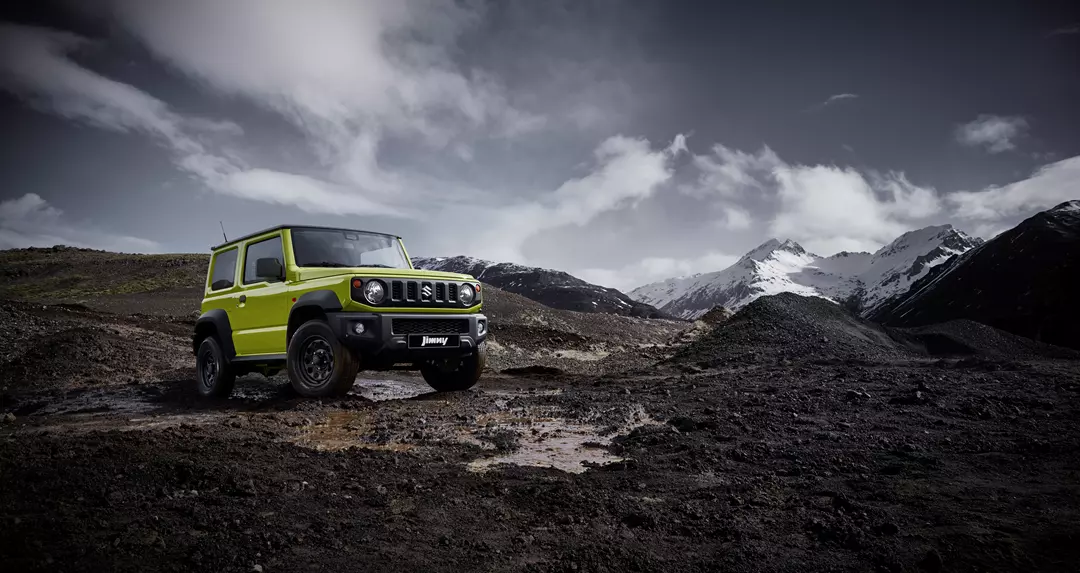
(1025, 281)
(553, 288)
(862, 281)
(169, 287)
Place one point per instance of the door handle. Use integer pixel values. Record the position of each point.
(243, 298)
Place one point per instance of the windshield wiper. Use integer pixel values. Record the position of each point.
(327, 264)
(375, 266)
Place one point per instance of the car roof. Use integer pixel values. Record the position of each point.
(280, 227)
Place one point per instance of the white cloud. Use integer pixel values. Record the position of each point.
(839, 97)
(626, 171)
(678, 145)
(35, 65)
(306, 193)
(349, 74)
(29, 221)
(653, 269)
(826, 208)
(731, 173)
(829, 209)
(735, 218)
(833, 99)
(995, 133)
(1065, 31)
(1049, 185)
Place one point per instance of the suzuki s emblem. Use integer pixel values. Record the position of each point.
(426, 291)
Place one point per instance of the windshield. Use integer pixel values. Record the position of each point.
(329, 248)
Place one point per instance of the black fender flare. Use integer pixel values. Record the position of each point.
(219, 320)
(323, 300)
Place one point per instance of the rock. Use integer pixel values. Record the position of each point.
(932, 562)
(257, 568)
(683, 424)
(887, 529)
(8, 418)
(857, 395)
(915, 399)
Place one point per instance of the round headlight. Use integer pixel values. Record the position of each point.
(467, 294)
(374, 292)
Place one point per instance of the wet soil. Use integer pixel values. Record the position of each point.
(874, 461)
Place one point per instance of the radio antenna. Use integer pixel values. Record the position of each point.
(223, 231)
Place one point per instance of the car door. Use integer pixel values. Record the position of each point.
(261, 313)
(222, 282)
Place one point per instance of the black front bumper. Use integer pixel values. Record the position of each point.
(386, 336)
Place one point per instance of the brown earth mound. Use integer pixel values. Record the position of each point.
(790, 327)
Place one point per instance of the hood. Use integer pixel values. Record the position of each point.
(316, 273)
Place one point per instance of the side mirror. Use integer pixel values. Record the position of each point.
(269, 268)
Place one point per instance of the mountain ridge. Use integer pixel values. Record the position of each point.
(860, 280)
(550, 287)
(1023, 281)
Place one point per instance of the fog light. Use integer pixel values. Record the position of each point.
(358, 328)
(481, 328)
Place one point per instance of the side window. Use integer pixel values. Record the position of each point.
(265, 249)
(224, 275)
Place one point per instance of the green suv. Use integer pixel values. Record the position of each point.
(324, 303)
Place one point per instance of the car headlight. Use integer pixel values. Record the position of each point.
(374, 292)
(467, 295)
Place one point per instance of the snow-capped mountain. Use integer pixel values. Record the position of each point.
(1024, 281)
(861, 280)
(556, 289)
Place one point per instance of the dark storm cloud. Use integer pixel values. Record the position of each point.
(623, 141)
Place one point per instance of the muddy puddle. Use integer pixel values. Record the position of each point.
(540, 437)
(382, 390)
(550, 441)
(506, 422)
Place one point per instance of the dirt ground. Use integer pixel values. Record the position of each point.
(754, 460)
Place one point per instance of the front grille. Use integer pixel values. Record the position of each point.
(430, 326)
(423, 294)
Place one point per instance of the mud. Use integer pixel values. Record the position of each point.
(790, 461)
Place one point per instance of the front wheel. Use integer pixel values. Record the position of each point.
(455, 374)
(319, 365)
(215, 377)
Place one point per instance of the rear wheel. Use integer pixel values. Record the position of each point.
(212, 371)
(455, 374)
(319, 365)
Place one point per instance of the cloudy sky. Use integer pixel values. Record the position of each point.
(624, 142)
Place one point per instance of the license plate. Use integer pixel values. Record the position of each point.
(434, 341)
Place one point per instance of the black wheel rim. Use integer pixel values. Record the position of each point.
(316, 361)
(209, 369)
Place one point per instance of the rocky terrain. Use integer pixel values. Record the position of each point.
(1025, 280)
(861, 281)
(790, 436)
(556, 289)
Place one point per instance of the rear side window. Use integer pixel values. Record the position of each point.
(265, 249)
(224, 275)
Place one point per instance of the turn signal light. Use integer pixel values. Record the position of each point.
(357, 283)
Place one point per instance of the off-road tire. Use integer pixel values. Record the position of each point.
(463, 377)
(319, 365)
(214, 376)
